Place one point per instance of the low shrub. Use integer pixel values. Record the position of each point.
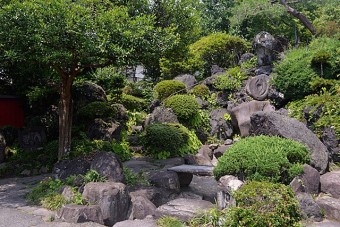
(260, 158)
(95, 110)
(184, 106)
(166, 88)
(134, 179)
(169, 140)
(170, 222)
(263, 204)
(231, 80)
(133, 103)
(200, 90)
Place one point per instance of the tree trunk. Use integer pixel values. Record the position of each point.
(65, 116)
(302, 18)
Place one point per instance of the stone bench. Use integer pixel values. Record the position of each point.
(186, 172)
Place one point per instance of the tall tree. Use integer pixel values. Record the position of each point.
(70, 36)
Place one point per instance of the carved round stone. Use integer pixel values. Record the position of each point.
(258, 86)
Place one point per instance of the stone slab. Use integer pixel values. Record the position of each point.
(193, 169)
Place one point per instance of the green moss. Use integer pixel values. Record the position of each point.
(166, 88)
(200, 90)
(184, 106)
(263, 158)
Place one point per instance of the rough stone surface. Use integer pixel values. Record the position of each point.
(165, 179)
(329, 138)
(245, 57)
(157, 196)
(137, 223)
(66, 168)
(265, 47)
(229, 183)
(161, 114)
(102, 130)
(308, 207)
(218, 152)
(112, 198)
(187, 79)
(120, 112)
(87, 93)
(138, 166)
(183, 209)
(266, 70)
(331, 207)
(330, 183)
(257, 87)
(80, 214)
(67, 193)
(274, 124)
(141, 207)
(170, 162)
(108, 165)
(308, 181)
(219, 126)
(240, 115)
(203, 157)
(196, 170)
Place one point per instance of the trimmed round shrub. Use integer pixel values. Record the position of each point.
(95, 110)
(260, 158)
(166, 88)
(263, 204)
(200, 90)
(169, 140)
(184, 106)
(133, 103)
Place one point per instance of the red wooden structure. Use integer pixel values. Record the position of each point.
(11, 111)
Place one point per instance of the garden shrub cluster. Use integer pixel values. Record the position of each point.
(260, 158)
(200, 90)
(95, 110)
(170, 140)
(184, 106)
(133, 103)
(166, 88)
(231, 80)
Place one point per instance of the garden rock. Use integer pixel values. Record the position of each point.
(189, 80)
(87, 93)
(157, 196)
(183, 209)
(308, 181)
(308, 207)
(274, 124)
(112, 198)
(329, 138)
(104, 130)
(161, 114)
(107, 164)
(330, 183)
(257, 87)
(245, 57)
(218, 152)
(203, 104)
(141, 207)
(2, 148)
(209, 81)
(276, 97)
(120, 111)
(229, 183)
(67, 193)
(330, 206)
(203, 157)
(265, 47)
(170, 162)
(266, 70)
(240, 115)
(138, 166)
(165, 179)
(216, 70)
(79, 214)
(149, 222)
(66, 168)
(219, 126)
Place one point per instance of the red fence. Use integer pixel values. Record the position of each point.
(11, 112)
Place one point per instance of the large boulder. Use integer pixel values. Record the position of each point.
(157, 196)
(66, 168)
(165, 179)
(308, 181)
(203, 157)
(79, 214)
(309, 209)
(331, 141)
(107, 164)
(141, 207)
(104, 130)
(219, 126)
(258, 86)
(187, 79)
(87, 93)
(240, 115)
(229, 183)
(275, 124)
(330, 183)
(330, 206)
(112, 198)
(265, 47)
(161, 114)
(183, 209)
(2, 148)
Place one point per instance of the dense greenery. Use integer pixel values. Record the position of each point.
(231, 80)
(263, 158)
(184, 106)
(170, 140)
(166, 88)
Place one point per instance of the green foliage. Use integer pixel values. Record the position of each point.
(184, 106)
(166, 88)
(134, 179)
(200, 90)
(93, 176)
(53, 201)
(327, 22)
(84, 145)
(95, 110)
(45, 189)
(218, 49)
(213, 217)
(249, 64)
(263, 158)
(122, 150)
(168, 221)
(231, 81)
(169, 140)
(263, 204)
(296, 71)
(133, 103)
(330, 105)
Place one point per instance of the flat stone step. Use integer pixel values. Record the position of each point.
(193, 169)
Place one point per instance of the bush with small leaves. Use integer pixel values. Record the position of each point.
(166, 88)
(263, 204)
(260, 158)
(95, 110)
(200, 90)
(184, 106)
(133, 103)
